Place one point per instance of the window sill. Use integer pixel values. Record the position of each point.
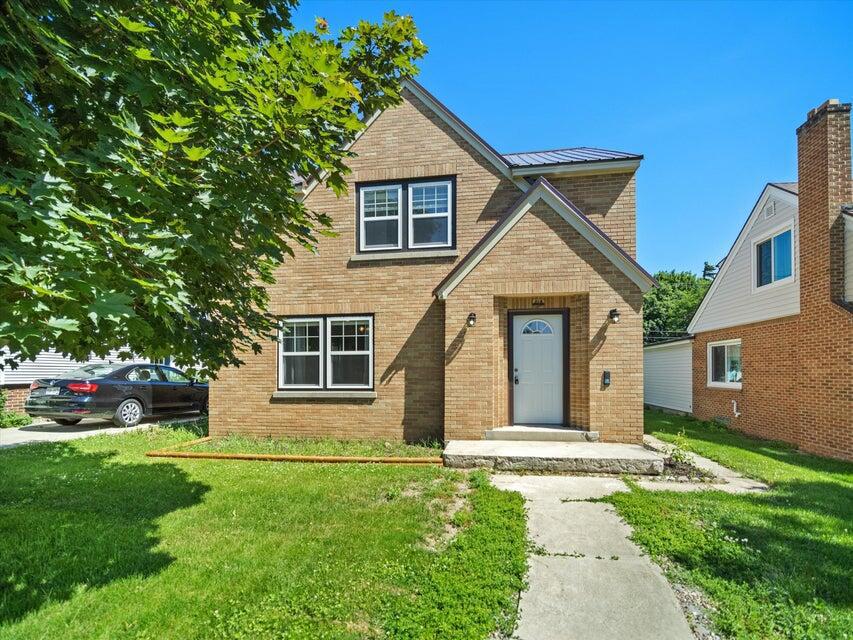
(734, 386)
(338, 394)
(405, 255)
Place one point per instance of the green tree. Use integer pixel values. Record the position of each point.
(667, 309)
(146, 155)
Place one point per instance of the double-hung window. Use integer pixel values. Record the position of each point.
(381, 212)
(411, 215)
(774, 258)
(429, 214)
(724, 364)
(301, 362)
(326, 352)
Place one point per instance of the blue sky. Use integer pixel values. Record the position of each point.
(710, 93)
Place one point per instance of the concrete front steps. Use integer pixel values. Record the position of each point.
(549, 456)
(541, 434)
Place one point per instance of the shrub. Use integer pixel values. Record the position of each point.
(10, 418)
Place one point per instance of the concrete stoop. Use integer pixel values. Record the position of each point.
(541, 434)
(578, 457)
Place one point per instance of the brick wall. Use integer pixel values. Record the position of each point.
(16, 395)
(412, 343)
(798, 371)
(589, 286)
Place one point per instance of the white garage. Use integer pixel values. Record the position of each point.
(668, 375)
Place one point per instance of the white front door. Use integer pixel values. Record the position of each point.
(537, 369)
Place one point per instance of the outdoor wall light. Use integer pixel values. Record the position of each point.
(472, 319)
(614, 316)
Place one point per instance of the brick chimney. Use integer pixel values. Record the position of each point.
(824, 357)
(823, 157)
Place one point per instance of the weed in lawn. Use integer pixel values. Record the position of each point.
(775, 564)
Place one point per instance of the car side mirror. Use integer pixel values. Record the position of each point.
(192, 382)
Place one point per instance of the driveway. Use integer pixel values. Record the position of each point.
(52, 432)
(587, 580)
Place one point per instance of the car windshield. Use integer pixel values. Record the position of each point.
(93, 371)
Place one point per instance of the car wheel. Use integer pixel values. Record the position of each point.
(67, 422)
(204, 408)
(128, 414)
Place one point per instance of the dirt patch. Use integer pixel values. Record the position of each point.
(450, 510)
(682, 470)
(697, 608)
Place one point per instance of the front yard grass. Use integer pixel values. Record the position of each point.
(101, 542)
(318, 447)
(775, 565)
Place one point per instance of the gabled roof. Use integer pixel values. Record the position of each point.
(787, 191)
(790, 187)
(514, 166)
(571, 155)
(544, 190)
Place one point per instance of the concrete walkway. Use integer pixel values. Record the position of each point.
(52, 432)
(587, 579)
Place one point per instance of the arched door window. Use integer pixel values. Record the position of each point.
(537, 327)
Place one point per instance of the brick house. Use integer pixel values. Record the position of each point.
(464, 290)
(773, 345)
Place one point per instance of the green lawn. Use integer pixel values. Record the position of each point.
(100, 542)
(776, 565)
(318, 447)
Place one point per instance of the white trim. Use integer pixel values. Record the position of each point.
(769, 189)
(362, 221)
(543, 191)
(282, 353)
(448, 215)
(764, 237)
(598, 166)
(661, 345)
(708, 364)
(369, 352)
(313, 184)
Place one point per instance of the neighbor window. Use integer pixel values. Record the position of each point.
(381, 209)
(326, 352)
(724, 364)
(774, 259)
(407, 216)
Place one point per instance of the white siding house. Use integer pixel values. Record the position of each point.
(668, 375)
(48, 364)
(734, 298)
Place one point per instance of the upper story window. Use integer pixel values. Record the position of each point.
(774, 258)
(381, 213)
(429, 214)
(406, 216)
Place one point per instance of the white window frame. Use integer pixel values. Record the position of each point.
(363, 221)
(369, 352)
(710, 373)
(282, 353)
(426, 216)
(769, 235)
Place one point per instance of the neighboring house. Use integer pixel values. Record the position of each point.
(773, 337)
(48, 364)
(668, 375)
(464, 290)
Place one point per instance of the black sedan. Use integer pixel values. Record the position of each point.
(122, 392)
